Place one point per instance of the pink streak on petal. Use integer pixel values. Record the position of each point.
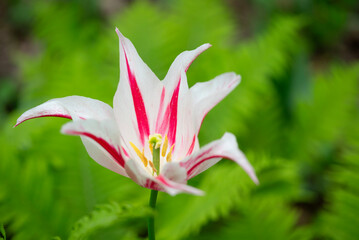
(188, 163)
(173, 188)
(151, 185)
(142, 121)
(45, 115)
(164, 121)
(190, 150)
(189, 172)
(163, 180)
(103, 143)
(173, 115)
(160, 109)
(124, 151)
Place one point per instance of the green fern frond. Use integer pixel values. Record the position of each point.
(339, 219)
(257, 61)
(227, 188)
(43, 173)
(257, 219)
(2, 232)
(105, 216)
(325, 119)
(188, 214)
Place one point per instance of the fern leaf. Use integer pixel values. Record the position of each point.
(339, 220)
(2, 232)
(105, 216)
(226, 187)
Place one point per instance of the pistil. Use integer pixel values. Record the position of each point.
(156, 141)
(158, 149)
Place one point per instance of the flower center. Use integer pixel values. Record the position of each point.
(159, 152)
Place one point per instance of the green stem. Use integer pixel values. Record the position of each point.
(151, 219)
(156, 159)
(154, 193)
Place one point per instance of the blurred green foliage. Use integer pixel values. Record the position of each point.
(296, 124)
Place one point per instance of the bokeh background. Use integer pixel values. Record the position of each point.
(295, 116)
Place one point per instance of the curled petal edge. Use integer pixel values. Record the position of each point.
(226, 147)
(71, 107)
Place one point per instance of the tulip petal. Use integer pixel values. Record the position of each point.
(207, 156)
(137, 98)
(181, 64)
(176, 122)
(72, 107)
(136, 172)
(80, 109)
(172, 117)
(101, 142)
(186, 138)
(173, 188)
(175, 89)
(206, 95)
(171, 181)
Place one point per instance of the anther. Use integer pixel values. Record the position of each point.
(144, 159)
(151, 148)
(169, 155)
(153, 167)
(140, 154)
(164, 146)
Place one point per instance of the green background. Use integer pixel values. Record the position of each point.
(295, 115)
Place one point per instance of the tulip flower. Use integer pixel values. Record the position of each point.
(151, 133)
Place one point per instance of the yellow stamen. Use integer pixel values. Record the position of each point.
(169, 155)
(140, 154)
(153, 167)
(144, 159)
(164, 147)
(151, 148)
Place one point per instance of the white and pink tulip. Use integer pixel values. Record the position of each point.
(143, 106)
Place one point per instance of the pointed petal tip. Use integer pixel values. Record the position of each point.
(206, 46)
(117, 31)
(200, 193)
(239, 78)
(234, 78)
(250, 171)
(202, 48)
(254, 178)
(17, 123)
(119, 34)
(190, 190)
(22, 119)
